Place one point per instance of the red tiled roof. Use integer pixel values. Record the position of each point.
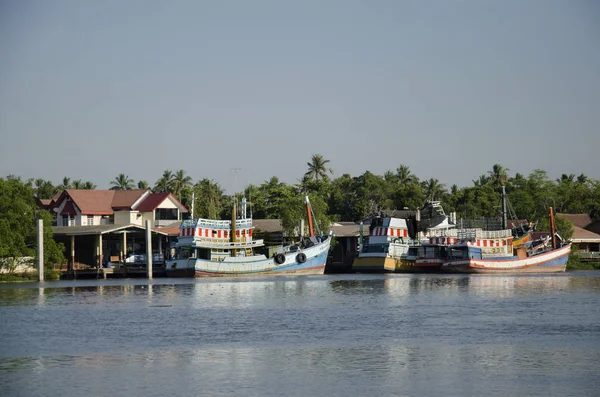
(171, 231)
(93, 202)
(104, 202)
(153, 200)
(124, 199)
(580, 220)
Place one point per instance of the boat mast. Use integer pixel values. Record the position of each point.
(552, 229)
(233, 225)
(234, 212)
(311, 232)
(504, 222)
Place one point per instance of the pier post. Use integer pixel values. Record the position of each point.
(72, 261)
(149, 249)
(40, 249)
(124, 248)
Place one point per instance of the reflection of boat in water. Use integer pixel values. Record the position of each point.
(392, 243)
(475, 255)
(207, 247)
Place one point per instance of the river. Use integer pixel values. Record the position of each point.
(332, 335)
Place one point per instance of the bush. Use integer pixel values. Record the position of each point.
(575, 263)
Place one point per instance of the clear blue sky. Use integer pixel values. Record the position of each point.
(90, 89)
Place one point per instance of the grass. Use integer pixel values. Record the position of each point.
(28, 276)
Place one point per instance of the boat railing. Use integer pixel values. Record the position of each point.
(230, 245)
(467, 234)
(215, 224)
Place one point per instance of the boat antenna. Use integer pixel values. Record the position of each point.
(193, 204)
(504, 222)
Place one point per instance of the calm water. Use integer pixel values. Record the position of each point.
(339, 335)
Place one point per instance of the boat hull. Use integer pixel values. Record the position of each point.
(316, 257)
(383, 265)
(554, 261)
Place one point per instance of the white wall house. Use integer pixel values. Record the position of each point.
(101, 207)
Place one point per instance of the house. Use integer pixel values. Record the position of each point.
(347, 235)
(109, 225)
(583, 236)
(116, 207)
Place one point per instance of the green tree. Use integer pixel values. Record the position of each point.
(209, 200)
(164, 184)
(78, 184)
(405, 176)
(142, 184)
(498, 176)
(433, 189)
(88, 185)
(317, 168)
(18, 224)
(66, 184)
(180, 181)
(122, 182)
(44, 189)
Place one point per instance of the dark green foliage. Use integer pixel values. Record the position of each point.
(18, 224)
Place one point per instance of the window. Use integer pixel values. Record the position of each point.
(65, 221)
(90, 220)
(166, 214)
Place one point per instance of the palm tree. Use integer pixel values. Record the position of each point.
(582, 179)
(498, 176)
(210, 196)
(433, 188)
(142, 184)
(164, 184)
(78, 184)
(88, 185)
(483, 180)
(66, 184)
(566, 178)
(122, 182)
(405, 176)
(317, 168)
(180, 180)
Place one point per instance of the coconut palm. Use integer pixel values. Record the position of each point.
(88, 185)
(433, 188)
(317, 168)
(498, 176)
(164, 184)
(66, 184)
(483, 180)
(404, 175)
(180, 181)
(142, 184)
(78, 184)
(122, 182)
(209, 198)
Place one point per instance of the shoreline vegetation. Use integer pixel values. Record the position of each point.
(334, 199)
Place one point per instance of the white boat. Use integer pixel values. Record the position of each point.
(208, 247)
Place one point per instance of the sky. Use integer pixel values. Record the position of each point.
(91, 89)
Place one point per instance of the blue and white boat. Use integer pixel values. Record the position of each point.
(207, 247)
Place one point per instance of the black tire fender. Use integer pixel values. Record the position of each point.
(279, 259)
(301, 257)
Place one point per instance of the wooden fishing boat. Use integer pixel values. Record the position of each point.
(208, 247)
